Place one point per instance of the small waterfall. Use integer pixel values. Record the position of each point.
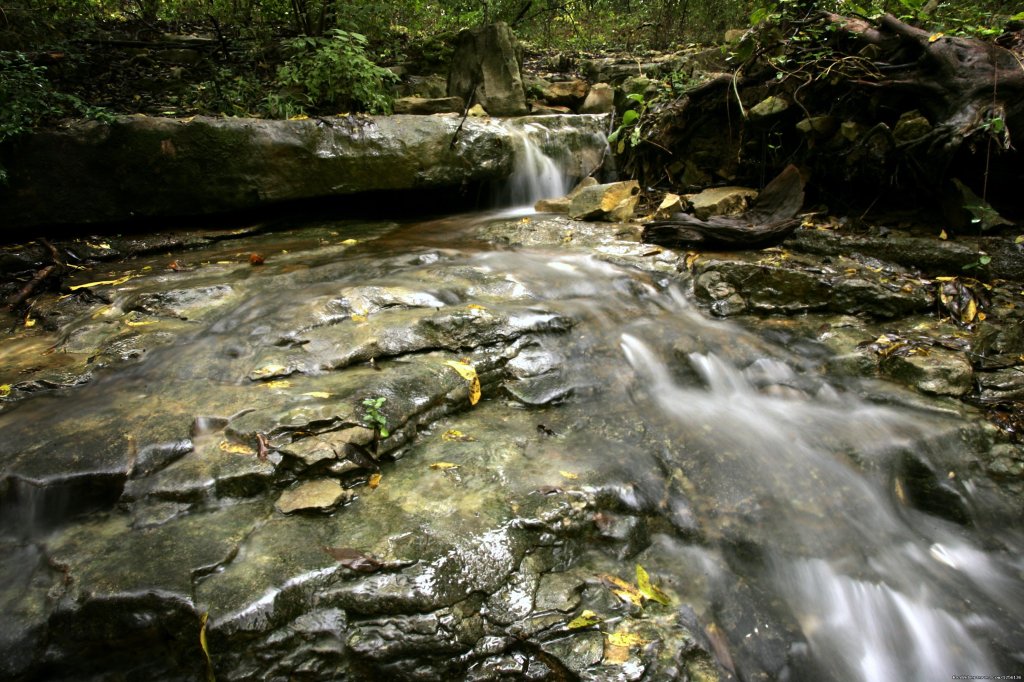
(550, 156)
(535, 175)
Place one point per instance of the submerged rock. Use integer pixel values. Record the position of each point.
(318, 496)
(583, 476)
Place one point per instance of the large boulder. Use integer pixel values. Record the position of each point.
(138, 167)
(487, 68)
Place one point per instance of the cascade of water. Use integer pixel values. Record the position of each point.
(535, 174)
(879, 595)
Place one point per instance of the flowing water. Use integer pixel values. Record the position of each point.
(782, 491)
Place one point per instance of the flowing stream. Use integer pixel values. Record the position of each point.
(784, 506)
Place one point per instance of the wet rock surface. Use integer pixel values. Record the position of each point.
(419, 452)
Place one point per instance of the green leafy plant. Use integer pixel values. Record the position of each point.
(629, 129)
(28, 99)
(333, 71)
(982, 261)
(374, 418)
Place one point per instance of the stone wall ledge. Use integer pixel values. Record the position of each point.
(138, 167)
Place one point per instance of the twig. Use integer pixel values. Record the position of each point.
(465, 114)
(19, 297)
(55, 268)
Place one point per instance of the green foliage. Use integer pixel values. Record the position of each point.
(332, 72)
(982, 18)
(629, 130)
(374, 418)
(28, 99)
(982, 261)
(228, 92)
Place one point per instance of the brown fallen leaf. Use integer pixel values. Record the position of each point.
(355, 560)
(256, 259)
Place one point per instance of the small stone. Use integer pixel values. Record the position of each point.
(770, 106)
(1007, 461)
(322, 496)
(721, 201)
(672, 203)
(565, 93)
(851, 130)
(600, 99)
(613, 202)
(911, 126)
(561, 204)
(818, 126)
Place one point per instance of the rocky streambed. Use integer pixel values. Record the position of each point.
(584, 471)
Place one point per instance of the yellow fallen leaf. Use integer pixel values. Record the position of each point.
(623, 590)
(5, 390)
(268, 371)
(935, 36)
(350, 242)
(318, 394)
(102, 282)
(626, 639)
(570, 475)
(584, 620)
(101, 245)
(206, 648)
(943, 236)
(139, 323)
(298, 117)
(476, 306)
(945, 279)
(652, 592)
(356, 317)
(691, 258)
(981, 316)
(236, 448)
(30, 322)
(970, 312)
(279, 383)
(1019, 239)
(374, 481)
(468, 372)
(444, 466)
(454, 435)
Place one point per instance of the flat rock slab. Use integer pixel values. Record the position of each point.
(139, 166)
(321, 495)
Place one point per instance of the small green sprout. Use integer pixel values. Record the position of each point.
(374, 418)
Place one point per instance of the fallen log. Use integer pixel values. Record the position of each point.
(769, 220)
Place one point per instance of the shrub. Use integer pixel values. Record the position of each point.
(335, 72)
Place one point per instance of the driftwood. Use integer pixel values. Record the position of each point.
(54, 270)
(770, 220)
